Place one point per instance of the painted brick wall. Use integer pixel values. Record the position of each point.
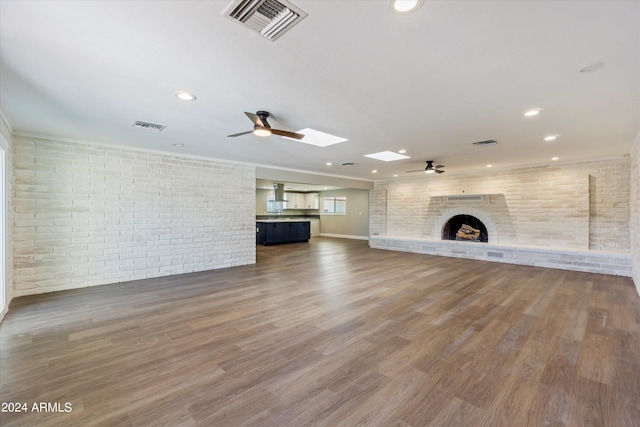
(635, 212)
(575, 206)
(87, 215)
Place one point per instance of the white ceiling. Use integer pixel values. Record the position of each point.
(431, 82)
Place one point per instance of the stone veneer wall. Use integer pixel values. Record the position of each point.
(635, 212)
(87, 215)
(577, 206)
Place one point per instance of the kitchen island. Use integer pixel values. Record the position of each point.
(277, 231)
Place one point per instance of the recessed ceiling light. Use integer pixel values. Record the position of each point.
(329, 164)
(185, 96)
(395, 175)
(406, 6)
(532, 113)
(178, 145)
(555, 158)
(374, 171)
(402, 151)
(317, 138)
(489, 166)
(550, 138)
(387, 156)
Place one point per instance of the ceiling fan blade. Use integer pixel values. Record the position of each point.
(437, 171)
(241, 133)
(256, 119)
(287, 134)
(417, 170)
(439, 166)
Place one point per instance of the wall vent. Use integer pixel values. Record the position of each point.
(147, 125)
(269, 18)
(469, 198)
(487, 142)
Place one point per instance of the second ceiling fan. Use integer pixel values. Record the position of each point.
(261, 127)
(430, 168)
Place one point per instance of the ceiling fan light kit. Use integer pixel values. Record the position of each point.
(261, 127)
(429, 168)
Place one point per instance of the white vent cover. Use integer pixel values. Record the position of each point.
(269, 18)
(147, 125)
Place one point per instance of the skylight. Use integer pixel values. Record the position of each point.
(387, 156)
(317, 138)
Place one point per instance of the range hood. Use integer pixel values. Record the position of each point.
(278, 190)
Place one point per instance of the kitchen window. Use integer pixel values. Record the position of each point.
(334, 205)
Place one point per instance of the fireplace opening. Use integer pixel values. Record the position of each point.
(465, 228)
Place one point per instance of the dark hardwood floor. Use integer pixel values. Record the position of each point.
(330, 333)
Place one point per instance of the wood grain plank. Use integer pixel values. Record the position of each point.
(331, 333)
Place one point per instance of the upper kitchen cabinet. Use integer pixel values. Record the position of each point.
(311, 201)
(301, 201)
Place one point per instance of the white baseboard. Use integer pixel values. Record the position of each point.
(344, 236)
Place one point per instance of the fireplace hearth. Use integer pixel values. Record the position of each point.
(466, 228)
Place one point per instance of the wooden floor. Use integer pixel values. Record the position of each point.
(330, 333)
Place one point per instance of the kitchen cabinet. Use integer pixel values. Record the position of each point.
(311, 201)
(274, 232)
(294, 201)
(301, 201)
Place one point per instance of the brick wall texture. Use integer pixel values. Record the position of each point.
(86, 215)
(576, 206)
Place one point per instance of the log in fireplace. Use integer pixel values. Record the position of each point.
(465, 228)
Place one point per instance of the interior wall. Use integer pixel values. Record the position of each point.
(634, 210)
(88, 214)
(355, 223)
(7, 146)
(574, 206)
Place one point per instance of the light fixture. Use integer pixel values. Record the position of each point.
(405, 6)
(261, 131)
(329, 164)
(185, 96)
(550, 138)
(317, 138)
(402, 151)
(178, 145)
(532, 113)
(555, 158)
(430, 170)
(395, 175)
(387, 156)
(374, 171)
(489, 166)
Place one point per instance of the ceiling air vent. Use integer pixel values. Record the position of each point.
(147, 125)
(487, 142)
(269, 18)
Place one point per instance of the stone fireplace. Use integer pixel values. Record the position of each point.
(569, 216)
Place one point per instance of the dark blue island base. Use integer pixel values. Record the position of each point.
(275, 232)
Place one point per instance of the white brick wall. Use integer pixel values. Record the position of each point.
(574, 206)
(87, 215)
(635, 212)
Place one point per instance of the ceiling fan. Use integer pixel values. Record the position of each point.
(262, 128)
(430, 168)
